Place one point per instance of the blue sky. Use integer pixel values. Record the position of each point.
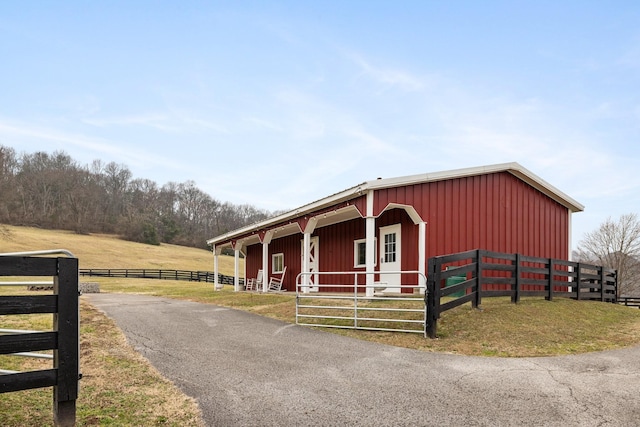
(281, 103)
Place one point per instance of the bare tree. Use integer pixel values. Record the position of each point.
(42, 183)
(8, 170)
(616, 244)
(115, 181)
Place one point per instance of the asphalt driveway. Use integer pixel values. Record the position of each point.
(246, 370)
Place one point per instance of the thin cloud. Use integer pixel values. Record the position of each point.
(389, 77)
(205, 124)
(29, 134)
(372, 144)
(179, 121)
(154, 120)
(264, 123)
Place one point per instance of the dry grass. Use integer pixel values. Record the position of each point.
(119, 387)
(104, 251)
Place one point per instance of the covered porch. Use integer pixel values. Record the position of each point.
(348, 226)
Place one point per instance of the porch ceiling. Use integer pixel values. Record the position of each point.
(346, 213)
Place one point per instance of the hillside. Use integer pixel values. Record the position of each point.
(107, 251)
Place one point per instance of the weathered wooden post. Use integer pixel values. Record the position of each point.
(66, 356)
(550, 267)
(579, 281)
(603, 283)
(477, 300)
(517, 285)
(430, 299)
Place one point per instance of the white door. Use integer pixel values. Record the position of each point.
(390, 243)
(314, 255)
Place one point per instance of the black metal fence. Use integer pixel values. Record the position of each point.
(146, 273)
(63, 339)
(464, 277)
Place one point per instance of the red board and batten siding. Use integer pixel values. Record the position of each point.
(496, 211)
(289, 246)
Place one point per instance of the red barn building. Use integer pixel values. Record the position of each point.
(396, 224)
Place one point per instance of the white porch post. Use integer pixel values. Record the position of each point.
(216, 283)
(265, 260)
(422, 251)
(265, 265)
(370, 242)
(236, 269)
(306, 253)
(215, 267)
(570, 235)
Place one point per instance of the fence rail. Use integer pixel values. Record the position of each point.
(147, 273)
(63, 339)
(629, 301)
(470, 276)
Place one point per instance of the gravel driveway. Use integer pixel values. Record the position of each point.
(247, 370)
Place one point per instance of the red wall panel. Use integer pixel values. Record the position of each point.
(496, 211)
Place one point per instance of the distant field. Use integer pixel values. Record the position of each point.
(107, 251)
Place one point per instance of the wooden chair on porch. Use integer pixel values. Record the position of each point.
(275, 283)
(254, 284)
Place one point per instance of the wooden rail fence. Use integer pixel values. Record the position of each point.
(629, 301)
(63, 339)
(147, 273)
(456, 279)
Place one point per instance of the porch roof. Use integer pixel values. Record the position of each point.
(358, 190)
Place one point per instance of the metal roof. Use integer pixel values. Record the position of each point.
(353, 192)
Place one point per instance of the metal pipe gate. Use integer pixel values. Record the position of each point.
(357, 305)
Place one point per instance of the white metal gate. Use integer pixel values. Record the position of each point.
(391, 308)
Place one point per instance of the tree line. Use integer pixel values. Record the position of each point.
(54, 191)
